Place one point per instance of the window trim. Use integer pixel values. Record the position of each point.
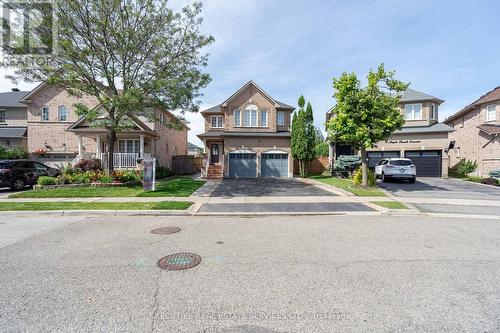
(126, 146)
(434, 108)
(262, 113)
(59, 113)
(237, 111)
(252, 110)
(48, 113)
(4, 121)
(494, 112)
(278, 122)
(413, 111)
(216, 121)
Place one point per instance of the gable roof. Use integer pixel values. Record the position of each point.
(412, 95)
(490, 96)
(276, 103)
(12, 99)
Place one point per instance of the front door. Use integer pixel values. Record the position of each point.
(214, 153)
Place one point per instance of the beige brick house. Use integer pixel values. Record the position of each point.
(248, 136)
(13, 120)
(56, 135)
(422, 139)
(477, 133)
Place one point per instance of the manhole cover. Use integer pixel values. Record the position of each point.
(165, 230)
(179, 261)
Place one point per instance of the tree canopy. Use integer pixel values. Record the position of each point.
(303, 139)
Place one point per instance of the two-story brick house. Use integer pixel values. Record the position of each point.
(248, 136)
(56, 135)
(13, 120)
(477, 133)
(423, 139)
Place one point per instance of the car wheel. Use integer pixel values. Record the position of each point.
(18, 184)
(412, 180)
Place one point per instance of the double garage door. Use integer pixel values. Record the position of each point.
(245, 165)
(427, 162)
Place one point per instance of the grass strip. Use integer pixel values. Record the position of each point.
(390, 204)
(348, 185)
(39, 206)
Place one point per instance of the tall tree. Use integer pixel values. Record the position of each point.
(365, 116)
(128, 54)
(303, 136)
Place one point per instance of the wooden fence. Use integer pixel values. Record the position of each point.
(183, 165)
(317, 166)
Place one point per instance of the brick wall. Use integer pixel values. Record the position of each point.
(171, 141)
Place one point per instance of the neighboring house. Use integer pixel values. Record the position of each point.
(422, 139)
(13, 119)
(477, 133)
(56, 135)
(248, 136)
(194, 150)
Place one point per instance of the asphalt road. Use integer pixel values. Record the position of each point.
(441, 188)
(279, 274)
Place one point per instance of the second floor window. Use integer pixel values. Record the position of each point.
(491, 112)
(216, 122)
(281, 118)
(2, 117)
(45, 113)
(413, 111)
(434, 111)
(250, 116)
(263, 118)
(63, 113)
(237, 117)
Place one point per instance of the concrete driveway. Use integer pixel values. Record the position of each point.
(272, 187)
(441, 188)
(266, 275)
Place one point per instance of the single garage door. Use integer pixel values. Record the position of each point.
(375, 156)
(274, 165)
(427, 163)
(242, 165)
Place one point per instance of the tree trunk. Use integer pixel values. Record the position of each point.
(111, 138)
(364, 168)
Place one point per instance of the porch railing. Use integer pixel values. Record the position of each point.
(120, 160)
(84, 156)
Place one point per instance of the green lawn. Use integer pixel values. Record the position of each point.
(390, 204)
(170, 205)
(348, 185)
(178, 187)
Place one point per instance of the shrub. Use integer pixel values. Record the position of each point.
(347, 163)
(46, 180)
(358, 177)
(464, 167)
(475, 179)
(495, 173)
(82, 178)
(92, 164)
(489, 181)
(106, 179)
(163, 172)
(127, 175)
(12, 153)
(321, 149)
(64, 179)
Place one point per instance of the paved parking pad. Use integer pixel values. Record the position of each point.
(272, 187)
(319, 207)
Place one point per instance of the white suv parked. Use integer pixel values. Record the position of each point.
(396, 168)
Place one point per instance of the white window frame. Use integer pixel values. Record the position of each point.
(488, 118)
(136, 143)
(263, 118)
(413, 111)
(434, 111)
(3, 117)
(237, 119)
(250, 114)
(219, 122)
(45, 108)
(59, 113)
(280, 118)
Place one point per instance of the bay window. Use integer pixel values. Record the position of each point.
(281, 118)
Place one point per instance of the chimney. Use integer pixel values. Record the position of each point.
(15, 89)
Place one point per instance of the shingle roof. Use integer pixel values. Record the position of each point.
(438, 127)
(212, 109)
(412, 95)
(490, 129)
(247, 134)
(192, 146)
(13, 132)
(284, 105)
(11, 99)
(490, 96)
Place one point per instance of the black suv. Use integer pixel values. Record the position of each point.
(16, 174)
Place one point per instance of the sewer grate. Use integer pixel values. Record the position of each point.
(179, 261)
(165, 230)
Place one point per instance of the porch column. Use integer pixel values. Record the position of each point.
(80, 146)
(98, 147)
(141, 146)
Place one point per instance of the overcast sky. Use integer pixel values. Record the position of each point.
(448, 49)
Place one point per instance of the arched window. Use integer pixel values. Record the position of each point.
(250, 116)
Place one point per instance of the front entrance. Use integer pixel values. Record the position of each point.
(214, 153)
